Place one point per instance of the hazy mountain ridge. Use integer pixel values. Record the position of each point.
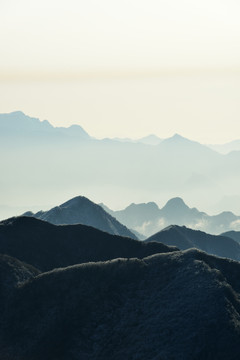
(227, 147)
(118, 170)
(17, 124)
(81, 210)
(115, 168)
(148, 218)
(184, 305)
(184, 238)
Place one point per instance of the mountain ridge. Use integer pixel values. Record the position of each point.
(184, 304)
(148, 218)
(46, 246)
(184, 238)
(81, 210)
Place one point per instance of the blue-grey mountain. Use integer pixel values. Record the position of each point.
(148, 218)
(81, 210)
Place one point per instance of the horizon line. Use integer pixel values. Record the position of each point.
(92, 74)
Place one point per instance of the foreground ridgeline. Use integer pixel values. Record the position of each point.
(178, 305)
(46, 246)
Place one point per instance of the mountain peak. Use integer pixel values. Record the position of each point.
(150, 139)
(76, 201)
(173, 227)
(174, 203)
(177, 138)
(81, 210)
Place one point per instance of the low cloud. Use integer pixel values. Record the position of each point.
(235, 225)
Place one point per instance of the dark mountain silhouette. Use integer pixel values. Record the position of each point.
(81, 210)
(185, 238)
(148, 219)
(12, 273)
(235, 235)
(180, 305)
(46, 246)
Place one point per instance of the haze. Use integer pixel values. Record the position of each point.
(126, 68)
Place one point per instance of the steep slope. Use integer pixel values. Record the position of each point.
(81, 210)
(185, 238)
(182, 305)
(47, 246)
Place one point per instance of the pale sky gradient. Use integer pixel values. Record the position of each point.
(124, 68)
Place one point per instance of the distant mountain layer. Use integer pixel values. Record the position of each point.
(180, 305)
(17, 124)
(46, 246)
(185, 238)
(148, 219)
(40, 161)
(226, 148)
(81, 210)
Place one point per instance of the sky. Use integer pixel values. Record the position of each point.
(124, 68)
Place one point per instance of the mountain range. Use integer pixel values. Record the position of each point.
(39, 162)
(147, 218)
(81, 210)
(143, 220)
(76, 292)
